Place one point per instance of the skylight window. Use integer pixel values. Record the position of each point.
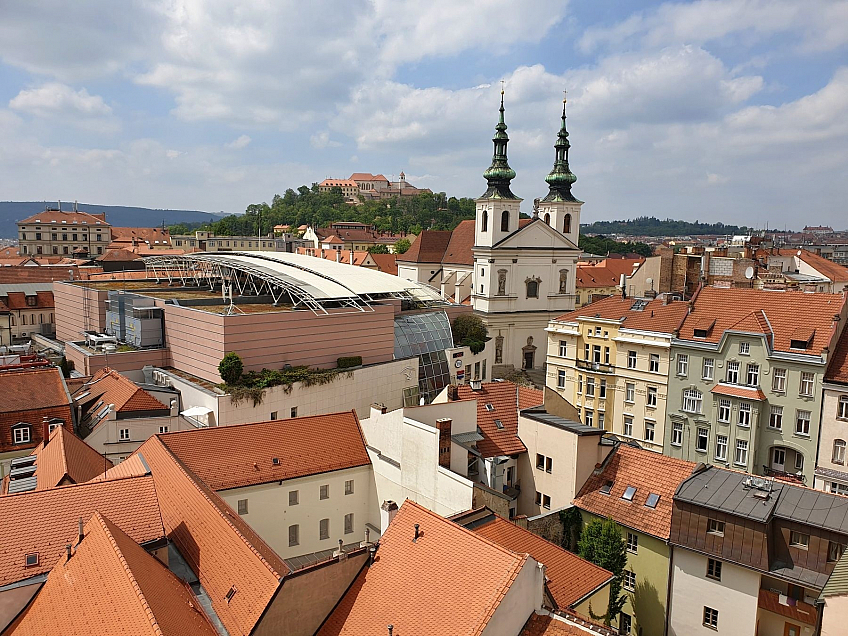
(653, 500)
(629, 492)
(639, 305)
(31, 559)
(490, 407)
(499, 424)
(607, 487)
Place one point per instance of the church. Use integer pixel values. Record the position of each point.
(516, 272)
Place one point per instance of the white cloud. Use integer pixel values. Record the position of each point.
(321, 140)
(61, 102)
(237, 144)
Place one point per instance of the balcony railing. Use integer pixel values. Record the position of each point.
(599, 367)
(788, 607)
(795, 478)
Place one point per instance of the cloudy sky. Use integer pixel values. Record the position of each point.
(731, 110)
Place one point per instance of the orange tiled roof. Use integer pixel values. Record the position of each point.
(655, 316)
(590, 276)
(529, 397)
(242, 455)
(70, 218)
(152, 235)
(367, 176)
(504, 397)
(132, 466)
(619, 266)
(127, 591)
(44, 521)
(571, 579)
(833, 271)
(545, 625)
(43, 274)
(784, 312)
(219, 547)
(17, 300)
(16, 392)
(428, 247)
(110, 387)
(458, 251)
(450, 581)
(66, 458)
(837, 369)
(732, 390)
(648, 472)
(386, 263)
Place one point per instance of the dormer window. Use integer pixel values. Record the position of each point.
(629, 493)
(801, 338)
(607, 487)
(499, 424)
(21, 433)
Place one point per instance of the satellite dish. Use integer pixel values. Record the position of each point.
(749, 273)
(649, 281)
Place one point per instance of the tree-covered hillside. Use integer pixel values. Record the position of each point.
(652, 226)
(602, 246)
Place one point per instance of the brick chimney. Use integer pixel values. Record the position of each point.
(444, 425)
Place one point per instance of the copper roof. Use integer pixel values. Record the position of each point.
(633, 313)
(42, 522)
(782, 313)
(733, 390)
(126, 590)
(243, 455)
(644, 470)
(504, 400)
(449, 581)
(428, 247)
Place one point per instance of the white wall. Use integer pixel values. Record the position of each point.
(522, 599)
(735, 597)
(105, 437)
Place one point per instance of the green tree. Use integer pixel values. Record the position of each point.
(378, 249)
(66, 366)
(469, 331)
(602, 544)
(231, 368)
(402, 246)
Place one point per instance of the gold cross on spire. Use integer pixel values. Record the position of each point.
(564, 95)
(502, 86)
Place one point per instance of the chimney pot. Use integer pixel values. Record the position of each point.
(81, 533)
(67, 552)
(417, 533)
(391, 629)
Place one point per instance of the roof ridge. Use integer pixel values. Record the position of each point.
(208, 430)
(50, 491)
(60, 435)
(128, 571)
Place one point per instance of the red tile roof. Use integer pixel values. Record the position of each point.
(43, 274)
(619, 266)
(132, 466)
(150, 235)
(449, 581)
(44, 521)
(655, 316)
(458, 251)
(70, 218)
(16, 389)
(837, 369)
(367, 176)
(827, 268)
(17, 300)
(118, 255)
(242, 455)
(590, 276)
(732, 390)
(386, 263)
(504, 397)
(545, 625)
(529, 397)
(570, 578)
(65, 459)
(219, 547)
(648, 472)
(428, 247)
(110, 387)
(784, 312)
(126, 589)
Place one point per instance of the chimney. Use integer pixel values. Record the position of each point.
(417, 533)
(351, 257)
(338, 255)
(80, 532)
(67, 552)
(391, 629)
(444, 425)
(387, 513)
(45, 432)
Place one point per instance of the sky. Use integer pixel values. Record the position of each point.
(714, 110)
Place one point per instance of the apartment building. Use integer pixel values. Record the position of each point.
(64, 233)
(746, 378)
(751, 555)
(831, 470)
(611, 360)
(26, 309)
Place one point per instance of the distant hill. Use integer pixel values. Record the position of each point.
(651, 226)
(121, 216)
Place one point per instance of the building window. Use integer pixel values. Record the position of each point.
(652, 396)
(586, 349)
(602, 389)
(589, 418)
(702, 439)
(625, 623)
(549, 462)
(649, 431)
(590, 387)
(799, 461)
(242, 506)
(842, 407)
(294, 535)
(324, 492)
(632, 543)
(540, 461)
(838, 489)
(723, 410)
(744, 348)
(631, 359)
(596, 353)
(561, 379)
(714, 569)
(654, 366)
(802, 423)
(601, 418)
(628, 425)
(629, 392)
(677, 434)
(22, 435)
(710, 617)
(538, 498)
(692, 400)
(349, 487)
(807, 384)
(799, 540)
(532, 289)
(606, 355)
(745, 414)
(294, 497)
(834, 551)
(348, 523)
(721, 448)
(753, 375)
(563, 348)
(273, 415)
(732, 372)
(324, 529)
(293, 411)
(838, 451)
(776, 417)
(579, 384)
(682, 364)
(164, 429)
(708, 368)
(629, 580)
(716, 527)
(124, 434)
(778, 381)
(741, 458)
(566, 224)
(546, 502)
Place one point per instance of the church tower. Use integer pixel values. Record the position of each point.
(498, 207)
(560, 208)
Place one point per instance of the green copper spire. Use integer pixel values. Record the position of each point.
(499, 173)
(560, 179)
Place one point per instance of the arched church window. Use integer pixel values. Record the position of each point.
(485, 221)
(532, 288)
(505, 221)
(566, 224)
(547, 219)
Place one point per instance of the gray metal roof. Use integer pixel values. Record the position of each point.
(467, 438)
(27, 288)
(540, 415)
(837, 584)
(814, 508)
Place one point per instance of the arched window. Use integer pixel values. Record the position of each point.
(23, 319)
(505, 221)
(12, 321)
(547, 219)
(532, 289)
(838, 451)
(566, 224)
(485, 222)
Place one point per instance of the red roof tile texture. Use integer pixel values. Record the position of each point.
(44, 521)
(44, 274)
(590, 276)
(504, 399)
(243, 455)
(219, 547)
(648, 472)
(110, 387)
(449, 581)
(386, 263)
(20, 404)
(65, 459)
(17, 301)
(127, 591)
(70, 218)
(132, 466)
(529, 397)
(458, 251)
(783, 311)
(732, 390)
(827, 268)
(837, 368)
(543, 625)
(655, 316)
(428, 247)
(571, 579)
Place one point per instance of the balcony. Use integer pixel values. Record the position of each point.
(787, 607)
(512, 491)
(597, 367)
(793, 478)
